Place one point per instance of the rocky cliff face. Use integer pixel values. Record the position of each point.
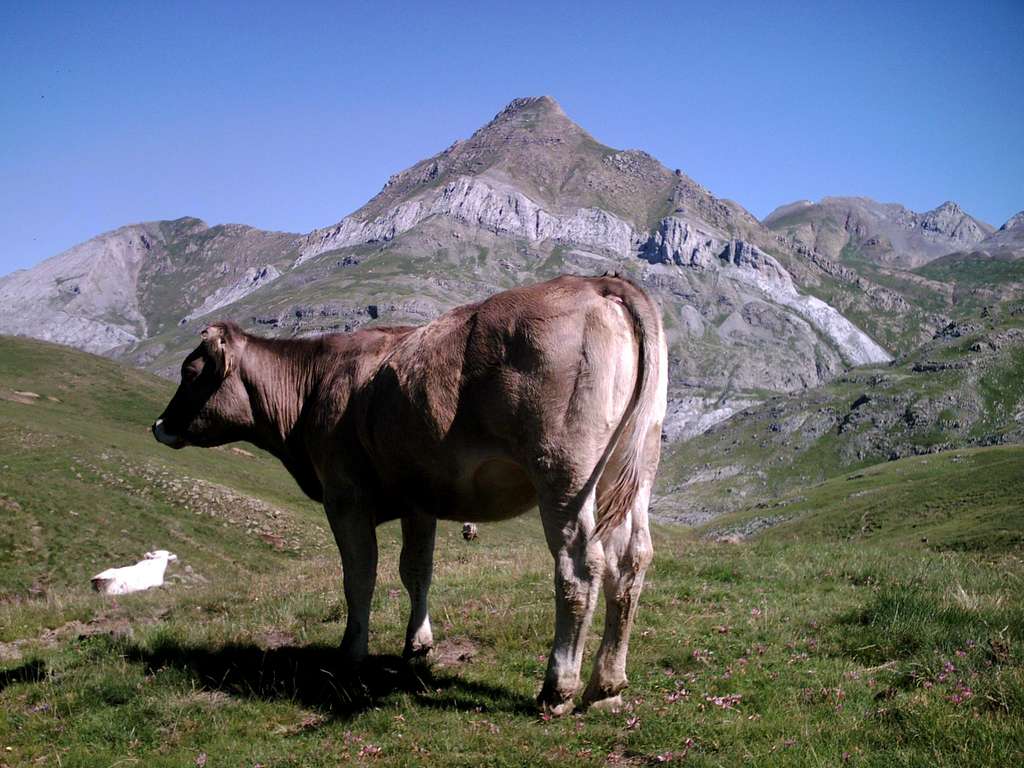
(86, 297)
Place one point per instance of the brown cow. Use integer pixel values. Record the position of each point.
(550, 395)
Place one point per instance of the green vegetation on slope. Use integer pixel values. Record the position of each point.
(974, 269)
(979, 279)
(971, 499)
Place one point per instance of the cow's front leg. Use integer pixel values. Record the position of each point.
(579, 561)
(355, 533)
(416, 567)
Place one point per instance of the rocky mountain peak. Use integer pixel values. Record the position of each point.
(537, 104)
(530, 119)
(949, 221)
(1014, 222)
(530, 148)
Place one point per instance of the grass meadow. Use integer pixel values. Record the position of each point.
(879, 623)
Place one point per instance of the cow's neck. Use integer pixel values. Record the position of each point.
(281, 382)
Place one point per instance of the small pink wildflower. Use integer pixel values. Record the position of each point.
(370, 750)
(961, 693)
(678, 755)
(728, 701)
(676, 695)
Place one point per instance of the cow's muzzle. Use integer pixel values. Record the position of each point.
(165, 437)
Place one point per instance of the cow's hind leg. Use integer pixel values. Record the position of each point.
(356, 536)
(416, 567)
(628, 552)
(569, 529)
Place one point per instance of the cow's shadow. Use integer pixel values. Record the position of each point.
(312, 676)
(30, 672)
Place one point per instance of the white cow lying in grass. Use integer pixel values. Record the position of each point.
(145, 574)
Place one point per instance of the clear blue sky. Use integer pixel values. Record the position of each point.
(291, 117)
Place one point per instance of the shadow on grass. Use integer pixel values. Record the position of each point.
(29, 672)
(313, 677)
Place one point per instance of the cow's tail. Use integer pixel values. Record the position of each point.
(616, 499)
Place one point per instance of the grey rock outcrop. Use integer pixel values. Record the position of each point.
(488, 205)
(253, 279)
(678, 241)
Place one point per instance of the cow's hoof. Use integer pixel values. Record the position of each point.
(609, 704)
(417, 652)
(557, 709)
(553, 703)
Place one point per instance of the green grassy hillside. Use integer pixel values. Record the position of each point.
(971, 499)
(84, 485)
(827, 641)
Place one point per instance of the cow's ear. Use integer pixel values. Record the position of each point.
(220, 350)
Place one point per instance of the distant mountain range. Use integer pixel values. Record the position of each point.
(751, 308)
(886, 233)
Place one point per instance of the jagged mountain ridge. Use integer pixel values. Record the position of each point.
(886, 233)
(528, 196)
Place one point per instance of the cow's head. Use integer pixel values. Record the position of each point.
(211, 406)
